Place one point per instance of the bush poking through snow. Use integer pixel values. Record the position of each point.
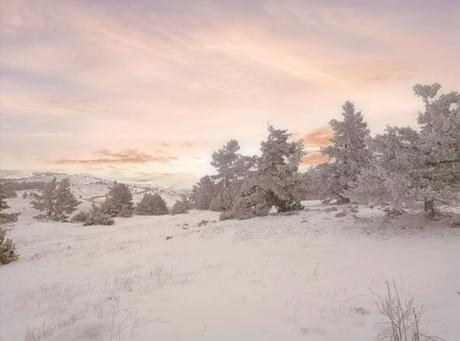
(151, 204)
(8, 252)
(80, 217)
(402, 318)
(8, 218)
(97, 217)
(341, 214)
(180, 206)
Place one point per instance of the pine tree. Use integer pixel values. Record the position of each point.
(46, 200)
(225, 161)
(348, 152)
(119, 201)
(438, 178)
(180, 206)
(203, 193)
(56, 200)
(389, 178)
(151, 204)
(66, 203)
(408, 166)
(275, 181)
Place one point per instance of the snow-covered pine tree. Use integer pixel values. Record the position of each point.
(66, 202)
(224, 160)
(275, 182)
(151, 204)
(409, 166)
(118, 202)
(180, 206)
(203, 192)
(389, 178)
(348, 152)
(438, 179)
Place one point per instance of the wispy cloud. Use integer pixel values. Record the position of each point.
(316, 138)
(314, 158)
(107, 157)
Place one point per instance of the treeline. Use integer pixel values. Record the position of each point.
(10, 187)
(401, 168)
(57, 202)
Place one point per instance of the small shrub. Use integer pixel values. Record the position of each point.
(8, 218)
(8, 252)
(203, 223)
(80, 217)
(97, 217)
(402, 318)
(454, 221)
(340, 214)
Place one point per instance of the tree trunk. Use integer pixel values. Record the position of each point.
(430, 211)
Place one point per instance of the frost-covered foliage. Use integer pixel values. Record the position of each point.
(56, 200)
(118, 202)
(410, 166)
(96, 216)
(151, 204)
(225, 161)
(8, 252)
(348, 153)
(180, 206)
(275, 180)
(388, 179)
(203, 193)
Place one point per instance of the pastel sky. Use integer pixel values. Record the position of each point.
(146, 90)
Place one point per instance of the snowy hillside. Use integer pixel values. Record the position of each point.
(305, 276)
(88, 188)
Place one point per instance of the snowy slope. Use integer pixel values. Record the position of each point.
(88, 188)
(294, 277)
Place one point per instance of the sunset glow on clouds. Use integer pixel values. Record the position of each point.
(146, 90)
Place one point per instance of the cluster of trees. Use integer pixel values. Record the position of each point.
(402, 167)
(58, 202)
(248, 186)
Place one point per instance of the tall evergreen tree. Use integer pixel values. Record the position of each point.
(66, 202)
(276, 180)
(225, 161)
(348, 152)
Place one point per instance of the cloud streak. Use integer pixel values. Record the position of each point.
(107, 157)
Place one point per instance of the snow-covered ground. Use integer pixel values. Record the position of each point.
(305, 276)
